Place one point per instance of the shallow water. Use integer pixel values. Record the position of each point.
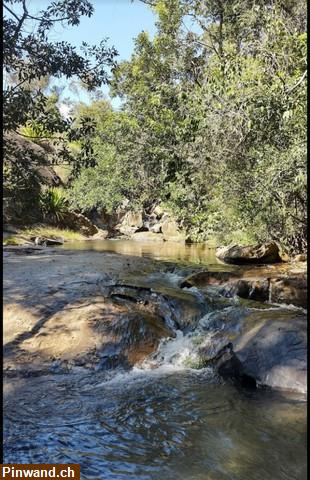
(156, 425)
(160, 421)
(193, 253)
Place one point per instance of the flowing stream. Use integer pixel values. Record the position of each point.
(162, 420)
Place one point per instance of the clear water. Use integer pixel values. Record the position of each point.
(156, 425)
(162, 421)
(193, 253)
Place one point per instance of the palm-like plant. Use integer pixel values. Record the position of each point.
(53, 204)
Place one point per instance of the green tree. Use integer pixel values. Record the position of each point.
(31, 61)
(213, 121)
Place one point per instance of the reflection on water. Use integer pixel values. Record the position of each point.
(194, 253)
(170, 426)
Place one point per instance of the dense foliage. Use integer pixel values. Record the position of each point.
(212, 123)
(31, 62)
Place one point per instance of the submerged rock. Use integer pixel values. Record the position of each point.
(263, 253)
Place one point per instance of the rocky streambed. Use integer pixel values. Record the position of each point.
(85, 320)
(98, 310)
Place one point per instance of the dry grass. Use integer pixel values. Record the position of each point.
(24, 234)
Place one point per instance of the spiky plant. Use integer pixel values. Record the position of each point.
(53, 204)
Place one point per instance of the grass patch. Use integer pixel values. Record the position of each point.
(13, 240)
(53, 232)
(24, 234)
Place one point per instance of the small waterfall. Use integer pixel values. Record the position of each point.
(270, 291)
(178, 353)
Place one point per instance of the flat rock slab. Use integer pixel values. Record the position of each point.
(61, 310)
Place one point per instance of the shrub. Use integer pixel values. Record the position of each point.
(53, 204)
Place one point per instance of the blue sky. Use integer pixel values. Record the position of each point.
(120, 20)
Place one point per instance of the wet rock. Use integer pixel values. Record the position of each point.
(179, 309)
(251, 289)
(268, 347)
(290, 290)
(263, 253)
(94, 332)
(208, 278)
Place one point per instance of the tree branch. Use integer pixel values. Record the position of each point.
(298, 83)
(21, 21)
(11, 12)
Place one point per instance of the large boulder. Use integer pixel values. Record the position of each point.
(261, 347)
(263, 253)
(100, 235)
(130, 223)
(20, 205)
(80, 223)
(273, 353)
(106, 221)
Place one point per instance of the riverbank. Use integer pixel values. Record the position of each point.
(24, 235)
